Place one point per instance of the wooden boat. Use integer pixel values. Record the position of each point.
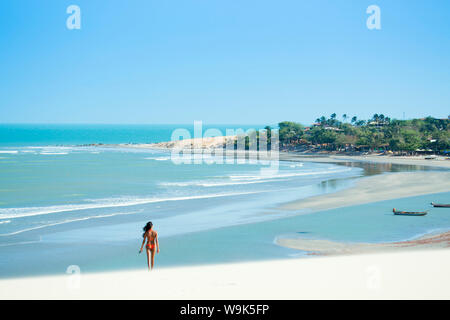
(406, 213)
(437, 205)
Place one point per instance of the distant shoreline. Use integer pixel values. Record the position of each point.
(215, 145)
(439, 162)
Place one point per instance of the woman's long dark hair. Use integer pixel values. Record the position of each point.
(147, 227)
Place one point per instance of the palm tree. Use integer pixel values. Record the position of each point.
(268, 131)
(322, 120)
(354, 119)
(344, 117)
(375, 117)
(360, 123)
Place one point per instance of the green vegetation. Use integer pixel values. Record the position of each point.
(380, 133)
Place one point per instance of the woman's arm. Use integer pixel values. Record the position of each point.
(142, 246)
(157, 243)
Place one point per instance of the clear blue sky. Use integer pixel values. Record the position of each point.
(222, 61)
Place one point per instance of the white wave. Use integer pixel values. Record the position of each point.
(206, 183)
(18, 243)
(53, 153)
(57, 148)
(49, 148)
(252, 179)
(285, 174)
(158, 158)
(9, 151)
(13, 213)
(247, 177)
(6, 221)
(68, 221)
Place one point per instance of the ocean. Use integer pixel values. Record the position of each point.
(65, 203)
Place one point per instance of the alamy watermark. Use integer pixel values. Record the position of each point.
(74, 20)
(374, 20)
(73, 281)
(374, 278)
(236, 146)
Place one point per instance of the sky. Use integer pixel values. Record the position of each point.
(222, 61)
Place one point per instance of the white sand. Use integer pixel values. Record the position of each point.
(441, 162)
(200, 143)
(378, 188)
(406, 275)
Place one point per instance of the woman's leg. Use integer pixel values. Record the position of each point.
(153, 257)
(148, 258)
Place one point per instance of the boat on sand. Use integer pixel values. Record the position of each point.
(407, 213)
(439, 205)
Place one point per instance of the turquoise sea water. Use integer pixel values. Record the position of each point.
(63, 205)
(68, 134)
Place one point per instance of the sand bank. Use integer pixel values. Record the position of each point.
(378, 188)
(325, 247)
(187, 144)
(405, 275)
(439, 162)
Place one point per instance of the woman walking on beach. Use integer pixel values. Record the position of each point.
(152, 243)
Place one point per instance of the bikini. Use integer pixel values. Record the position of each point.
(151, 246)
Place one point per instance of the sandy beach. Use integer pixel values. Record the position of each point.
(438, 162)
(325, 247)
(405, 275)
(378, 188)
(198, 143)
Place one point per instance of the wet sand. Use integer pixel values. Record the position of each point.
(325, 247)
(378, 188)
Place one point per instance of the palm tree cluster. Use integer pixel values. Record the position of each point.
(379, 133)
